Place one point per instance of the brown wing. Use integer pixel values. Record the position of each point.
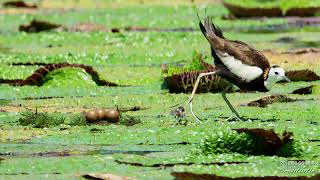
(238, 49)
(246, 54)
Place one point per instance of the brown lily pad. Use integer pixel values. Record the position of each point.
(37, 77)
(184, 82)
(263, 102)
(302, 75)
(306, 11)
(304, 90)
(36, 26)
(18, 4)
(271, 141)
(313, 89)
(193, 176)
(107, 176)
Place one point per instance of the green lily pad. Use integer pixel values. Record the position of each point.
(67, 77)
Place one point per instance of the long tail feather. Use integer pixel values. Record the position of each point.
(208, 28)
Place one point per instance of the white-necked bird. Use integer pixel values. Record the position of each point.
(238, 63)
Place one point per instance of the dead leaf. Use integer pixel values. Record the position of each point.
(304, 90)
(108, 176)
(38, 26)
(184, 82)
(19, 4)
(263, 102)
(302, 75)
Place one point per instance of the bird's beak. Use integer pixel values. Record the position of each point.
(286, 78)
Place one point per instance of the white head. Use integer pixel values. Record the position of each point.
(276, 74)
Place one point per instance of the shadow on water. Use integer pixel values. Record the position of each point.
(71, 151)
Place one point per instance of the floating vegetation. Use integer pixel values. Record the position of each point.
(302, 75)
(38, 78)
(36, 26)
(19, 4)
(43, 119)
(183, 79)
(251, 142)
(107, 176)
(313, 89)
(184, 82)
(263, 102)
(197, 64)
(125, 42)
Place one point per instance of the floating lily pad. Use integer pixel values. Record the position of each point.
(68, 77)
(101, 176)
(251, 142)
(184, 79)
(184, 82)
(18, 4)
(302, 75)
(263, 102)
(36, 26)
(313, 89)
(39, 76)
(41, 120)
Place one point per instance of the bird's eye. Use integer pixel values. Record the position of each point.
(276, 73)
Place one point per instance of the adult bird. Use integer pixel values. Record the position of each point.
(238, 63)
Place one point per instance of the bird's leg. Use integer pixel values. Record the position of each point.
(194, 91)
(228, 102)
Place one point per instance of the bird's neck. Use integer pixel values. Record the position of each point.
(269, 82)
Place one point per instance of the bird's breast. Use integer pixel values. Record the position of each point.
(237, 67)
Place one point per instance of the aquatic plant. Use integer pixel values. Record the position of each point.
(44, 119)
(248, 144)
